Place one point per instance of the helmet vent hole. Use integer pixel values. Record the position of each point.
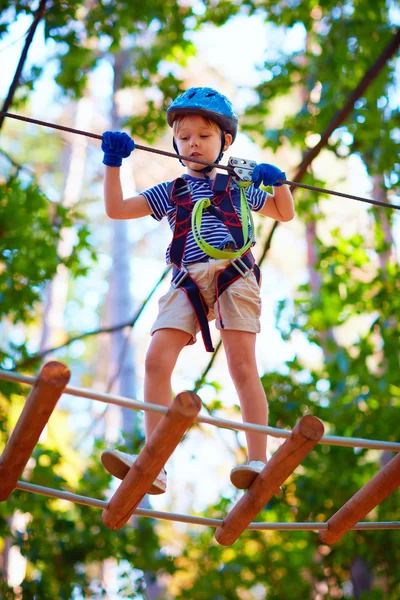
(190, 96)
(210, 94)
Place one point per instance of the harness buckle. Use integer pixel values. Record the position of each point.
(241, 266)
(242, 168)
(182, 191)
(179, 277)
(177, 188)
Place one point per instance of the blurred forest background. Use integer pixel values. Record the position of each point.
(317, 87)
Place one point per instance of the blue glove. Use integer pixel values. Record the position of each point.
(116, 146)
(268, 175)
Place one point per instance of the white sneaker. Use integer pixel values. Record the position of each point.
(243, 476)
(118, 464)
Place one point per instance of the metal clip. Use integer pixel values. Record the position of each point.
(241, 266)
(179, 277)
(242, 168)
(184, 189)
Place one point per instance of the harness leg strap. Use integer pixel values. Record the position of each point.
(239, 267)
(189, 286)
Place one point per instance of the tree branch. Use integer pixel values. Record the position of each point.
(21, 63)
(341, 115)
(81, 336)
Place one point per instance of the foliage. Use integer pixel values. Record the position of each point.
(153, 34)
(77, 542)
(30, 233)
(355, 392)
(354, 387)
(338, 54)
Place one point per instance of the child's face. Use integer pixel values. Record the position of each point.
(196, 137)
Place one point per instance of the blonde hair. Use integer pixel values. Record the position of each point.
(179, 121)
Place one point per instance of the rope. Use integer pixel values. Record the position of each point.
(341, 194)
(156, 514)
(218, 422)
(246, 216)
(96, 136)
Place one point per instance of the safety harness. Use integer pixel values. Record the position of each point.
(188, 215)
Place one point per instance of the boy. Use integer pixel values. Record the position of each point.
(207, 283)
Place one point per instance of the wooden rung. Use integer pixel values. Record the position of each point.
(39, 405)
(288, 456)
(365, 500)
(165, 438)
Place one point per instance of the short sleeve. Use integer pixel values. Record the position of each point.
(158, 199)
(256, 198)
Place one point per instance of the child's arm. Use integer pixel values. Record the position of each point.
(117, 146)
(116, 206)
(279, 205)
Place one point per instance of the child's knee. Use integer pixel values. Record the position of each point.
(240, 369)
(163, 352)
(157, 363)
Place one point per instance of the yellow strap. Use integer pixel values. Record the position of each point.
(197, 215)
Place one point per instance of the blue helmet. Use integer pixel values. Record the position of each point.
(208, 103)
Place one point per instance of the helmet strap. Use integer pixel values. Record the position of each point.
(221, 152)
(177, 151)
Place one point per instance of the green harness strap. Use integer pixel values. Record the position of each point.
(197, 215)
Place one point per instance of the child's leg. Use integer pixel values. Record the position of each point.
(240, 353)
(163, 352)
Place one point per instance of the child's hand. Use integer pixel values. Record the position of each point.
(268, 175)
(116, 146)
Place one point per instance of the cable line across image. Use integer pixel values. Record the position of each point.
(199, 161)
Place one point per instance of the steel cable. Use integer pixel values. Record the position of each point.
(197, 160)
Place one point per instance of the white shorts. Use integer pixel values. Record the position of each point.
(238, 307)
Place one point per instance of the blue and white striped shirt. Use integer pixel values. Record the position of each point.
(212, 230)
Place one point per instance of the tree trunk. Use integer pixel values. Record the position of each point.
(57, 289)
(122, 362)
(312, 257)
(122, 359)
(379, 193)
(360, 577)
